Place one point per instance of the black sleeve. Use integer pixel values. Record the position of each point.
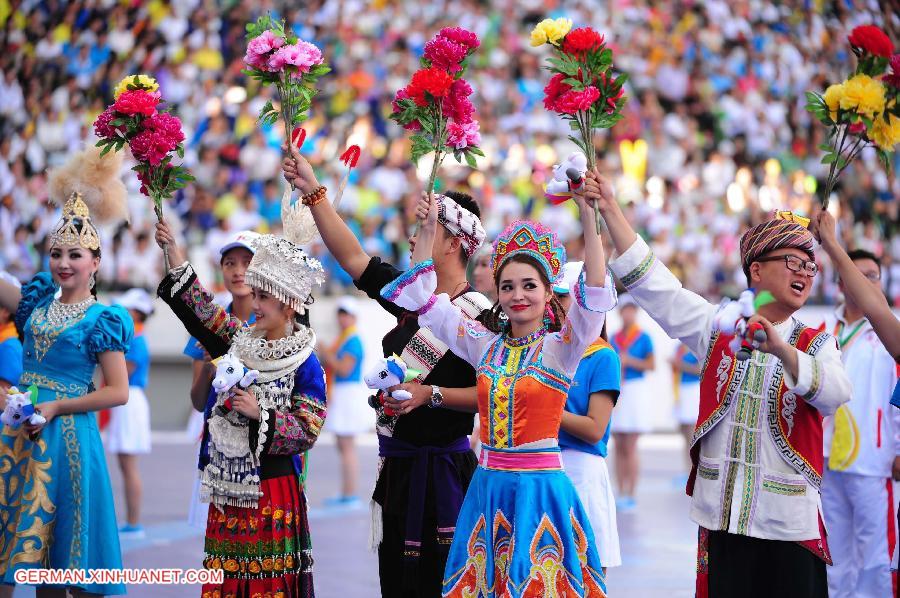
(204, 320)
(374, 278)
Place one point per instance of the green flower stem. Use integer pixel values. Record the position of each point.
(832, 179)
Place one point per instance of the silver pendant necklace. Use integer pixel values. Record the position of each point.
(60, 314)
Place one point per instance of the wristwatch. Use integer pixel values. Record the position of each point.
(437, 399)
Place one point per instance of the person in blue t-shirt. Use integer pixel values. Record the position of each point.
(128, 432)
(235, 257)
(633, 410)
(349, 413)
(686, 384)
(584, 431)
(10, 347)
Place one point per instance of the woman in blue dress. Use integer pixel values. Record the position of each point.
(56, 504)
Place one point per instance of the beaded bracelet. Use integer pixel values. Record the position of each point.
(314, 197)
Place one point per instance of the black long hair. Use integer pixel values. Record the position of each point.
(495, 322)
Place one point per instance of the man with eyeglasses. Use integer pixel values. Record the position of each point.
(757, 447)
(862, 452)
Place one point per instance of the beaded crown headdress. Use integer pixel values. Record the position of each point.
(75, 216)
(532, 239)
(90, 192)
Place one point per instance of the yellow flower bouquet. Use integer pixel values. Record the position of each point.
(864, 110)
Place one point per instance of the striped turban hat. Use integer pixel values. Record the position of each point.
(784, 231)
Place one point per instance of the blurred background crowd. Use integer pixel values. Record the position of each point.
(715, 133)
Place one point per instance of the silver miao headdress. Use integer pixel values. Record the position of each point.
(280, 266)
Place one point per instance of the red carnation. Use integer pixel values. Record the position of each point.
(433, 81)
(460, 36)
(871, 39)
(894, 78)
(102, 126)
(576, 101)
(137, 101)
(457, 104)
(581, 41)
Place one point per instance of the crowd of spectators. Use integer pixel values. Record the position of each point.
(715, 133)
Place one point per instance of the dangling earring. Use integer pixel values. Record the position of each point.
(93, 280)
(549, 318)
(503, 319)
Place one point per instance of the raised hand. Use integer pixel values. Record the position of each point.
(298, 172)
(600, 190)
(823, 228)
(164, 237)
(427, 210)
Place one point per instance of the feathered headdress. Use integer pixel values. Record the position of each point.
(89, 190)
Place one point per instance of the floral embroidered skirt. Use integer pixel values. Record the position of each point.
(265, 551)
(523, 534)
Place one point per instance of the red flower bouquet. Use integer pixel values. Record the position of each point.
(436, 105)
(152, 135)
(582, 89)
(871, 40)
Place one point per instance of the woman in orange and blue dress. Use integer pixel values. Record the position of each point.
(522, 530)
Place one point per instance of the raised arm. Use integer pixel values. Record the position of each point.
(684, 315)
(871, 301)
(182, 291)
(338, 237)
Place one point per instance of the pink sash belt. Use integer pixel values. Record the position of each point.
(544, 460)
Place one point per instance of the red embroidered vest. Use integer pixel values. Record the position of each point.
(794, 425)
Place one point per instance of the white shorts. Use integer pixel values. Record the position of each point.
(348, 411)
(633, 412)
(128, 431)
(197, 511)
(688, 405)
(590, 476)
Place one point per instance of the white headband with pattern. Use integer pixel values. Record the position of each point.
(461, 223)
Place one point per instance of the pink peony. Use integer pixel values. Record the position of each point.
(102, 126)
(161, 135)
(302, 55)
(571, 101)
(259, 48)
(403, 95)
(461, 36)
(457, 104)
(894, 78)
(137, 101)
(461, 136)
(445, 54)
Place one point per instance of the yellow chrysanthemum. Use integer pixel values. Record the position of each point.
(885, 134)
(143, 81)
(864, 95)
(832, 98)
(550, 31)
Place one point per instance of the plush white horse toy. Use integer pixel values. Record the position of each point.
(388, 372)
(231, 372)
(731, 319)
(559, 188)
(20, 407)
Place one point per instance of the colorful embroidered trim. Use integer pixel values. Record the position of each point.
(785, 489)
(634, 277)
(393, 289)
(707, 472)
(428, 305)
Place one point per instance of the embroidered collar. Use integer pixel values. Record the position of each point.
(528, 339)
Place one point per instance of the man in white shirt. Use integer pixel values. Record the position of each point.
(861, 454)
(757, 447)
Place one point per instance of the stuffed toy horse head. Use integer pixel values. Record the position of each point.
(732, 317)
(231, 371)
(559, 189)
(20, 407)
(388, 372)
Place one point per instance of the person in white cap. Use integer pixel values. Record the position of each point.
(584, 430)
(10, 346)
(234, 258)
(635, 351)
(128, 432)
(349, 413)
